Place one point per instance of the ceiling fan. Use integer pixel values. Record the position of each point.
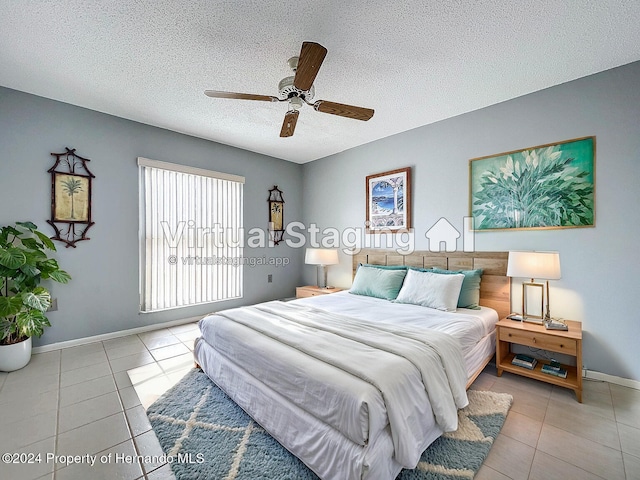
(298, 90)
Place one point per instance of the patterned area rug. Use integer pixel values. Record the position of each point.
(206, 435)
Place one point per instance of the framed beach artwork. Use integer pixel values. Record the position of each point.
(544, 187)
(388, 201)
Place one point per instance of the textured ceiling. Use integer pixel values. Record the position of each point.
(414, 62)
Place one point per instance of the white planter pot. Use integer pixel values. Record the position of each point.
(14, 357)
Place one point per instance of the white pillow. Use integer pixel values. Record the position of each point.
(431, 290)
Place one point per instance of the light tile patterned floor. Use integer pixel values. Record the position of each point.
(90, 400)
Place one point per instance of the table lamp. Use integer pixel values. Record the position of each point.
(541, 265)
(321, 257)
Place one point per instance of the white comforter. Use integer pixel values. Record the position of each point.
(352, 374)
(467, 326)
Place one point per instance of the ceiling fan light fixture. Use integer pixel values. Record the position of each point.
(288, 90)
(295, 103)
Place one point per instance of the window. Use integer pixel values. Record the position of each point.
(190, 236)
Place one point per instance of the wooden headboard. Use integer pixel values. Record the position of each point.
(495, 287)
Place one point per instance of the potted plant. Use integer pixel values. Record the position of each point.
(23, 302)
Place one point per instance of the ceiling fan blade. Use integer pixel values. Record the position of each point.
(241, 96)
(289, 124)
(349, 111)
(309, 62)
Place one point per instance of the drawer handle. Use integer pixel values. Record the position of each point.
(561, 346)
(534, 339)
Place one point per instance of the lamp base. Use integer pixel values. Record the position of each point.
(322, 276)
(523, 318)
(535, 320)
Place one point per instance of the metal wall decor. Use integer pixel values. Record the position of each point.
(70, 197)
(276, 214)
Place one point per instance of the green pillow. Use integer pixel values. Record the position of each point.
(383, 267)
(421, 269)
(395, 267)
(470, 291)
(378, 282)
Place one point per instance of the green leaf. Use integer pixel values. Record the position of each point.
(34, 256)
(39, 298)
(7, 273)
(28, 225)
(30, 270)
(10, 306)
(31, 243)
(31, 323)
(6, 231)
(48, 263)
(12, 257)
(48, 267)
(21, 281)
(7, 327)
(46, 240)
(60, 276)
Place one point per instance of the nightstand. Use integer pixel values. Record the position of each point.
(313, 291)
(509, 332)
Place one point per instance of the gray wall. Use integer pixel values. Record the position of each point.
(103, 295)
(599, 264)
(599, 281)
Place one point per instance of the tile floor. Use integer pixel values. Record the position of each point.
(90, 400)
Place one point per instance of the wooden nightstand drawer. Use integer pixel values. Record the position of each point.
(312, 291)
(304, 293)
(540, 340)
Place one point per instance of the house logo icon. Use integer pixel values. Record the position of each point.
(443, 233)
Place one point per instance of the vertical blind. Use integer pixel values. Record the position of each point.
(191, 236)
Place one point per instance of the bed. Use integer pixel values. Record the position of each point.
(353, 385)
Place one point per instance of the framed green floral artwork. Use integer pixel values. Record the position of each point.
(543, 187)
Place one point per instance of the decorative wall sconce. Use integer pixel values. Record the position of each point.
(276, 214)
(70, 197)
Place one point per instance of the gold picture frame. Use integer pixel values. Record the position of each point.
(532, 298)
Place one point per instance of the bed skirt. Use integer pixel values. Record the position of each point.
(326, 451)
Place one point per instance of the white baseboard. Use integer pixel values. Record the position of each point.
(109, 336)
(604, 377)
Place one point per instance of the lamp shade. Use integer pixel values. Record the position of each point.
(543, 265)
(321, 256)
